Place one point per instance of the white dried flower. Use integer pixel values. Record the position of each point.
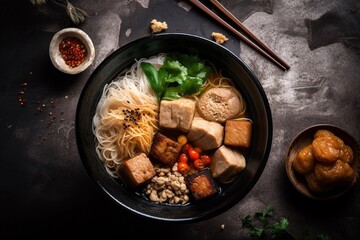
(75, 14)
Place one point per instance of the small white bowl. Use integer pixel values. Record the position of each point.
(58, 60)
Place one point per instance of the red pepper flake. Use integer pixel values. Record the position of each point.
(73, 51)
(21, 94)
(40, 106)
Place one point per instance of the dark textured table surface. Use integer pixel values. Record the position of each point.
(45, 190)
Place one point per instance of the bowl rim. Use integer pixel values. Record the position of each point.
(56, 58)
(206, 214)
(295, 178)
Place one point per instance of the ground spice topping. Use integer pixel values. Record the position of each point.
(73, 51)
(132, 116)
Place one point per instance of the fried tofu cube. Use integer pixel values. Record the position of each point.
(206, 135)
(165, 149)
(177, 114)
(238, 133)
(201, 184)
(226, 164)
(136, 171)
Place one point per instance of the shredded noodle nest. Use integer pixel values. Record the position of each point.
(126, 117)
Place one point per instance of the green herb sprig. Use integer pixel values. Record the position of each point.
(180, 75)
(74, 14)
(263, 225)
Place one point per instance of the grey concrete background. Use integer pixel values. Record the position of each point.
(44, 187)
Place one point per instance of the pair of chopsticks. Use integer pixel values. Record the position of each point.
(251, 40)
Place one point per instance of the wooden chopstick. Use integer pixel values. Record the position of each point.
(247, 31)
(243, 37)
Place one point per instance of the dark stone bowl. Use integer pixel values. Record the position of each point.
(245, 81)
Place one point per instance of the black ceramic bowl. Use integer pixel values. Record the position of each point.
(245, 81)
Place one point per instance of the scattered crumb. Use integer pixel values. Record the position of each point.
(157, 26)
(222, 226)
(219, 37)
(128, 32)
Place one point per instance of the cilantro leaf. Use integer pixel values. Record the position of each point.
(262, 216)
(247, 222)
(257, 232)
(263, 225)
(175, 71)
(279, 228)
(180, 75)
(191, 85)
(171, 93)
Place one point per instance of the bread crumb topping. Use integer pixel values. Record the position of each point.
(219, 37)
(157, 26)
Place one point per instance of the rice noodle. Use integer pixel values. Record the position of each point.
(126, 117)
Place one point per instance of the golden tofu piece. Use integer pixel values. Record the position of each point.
(226, 164)
(238, 133)
(201, 184)
(177, 114)
(136, 171)
(165, 149)
(205, 134)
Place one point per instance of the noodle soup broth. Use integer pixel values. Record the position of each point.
(127, 119)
